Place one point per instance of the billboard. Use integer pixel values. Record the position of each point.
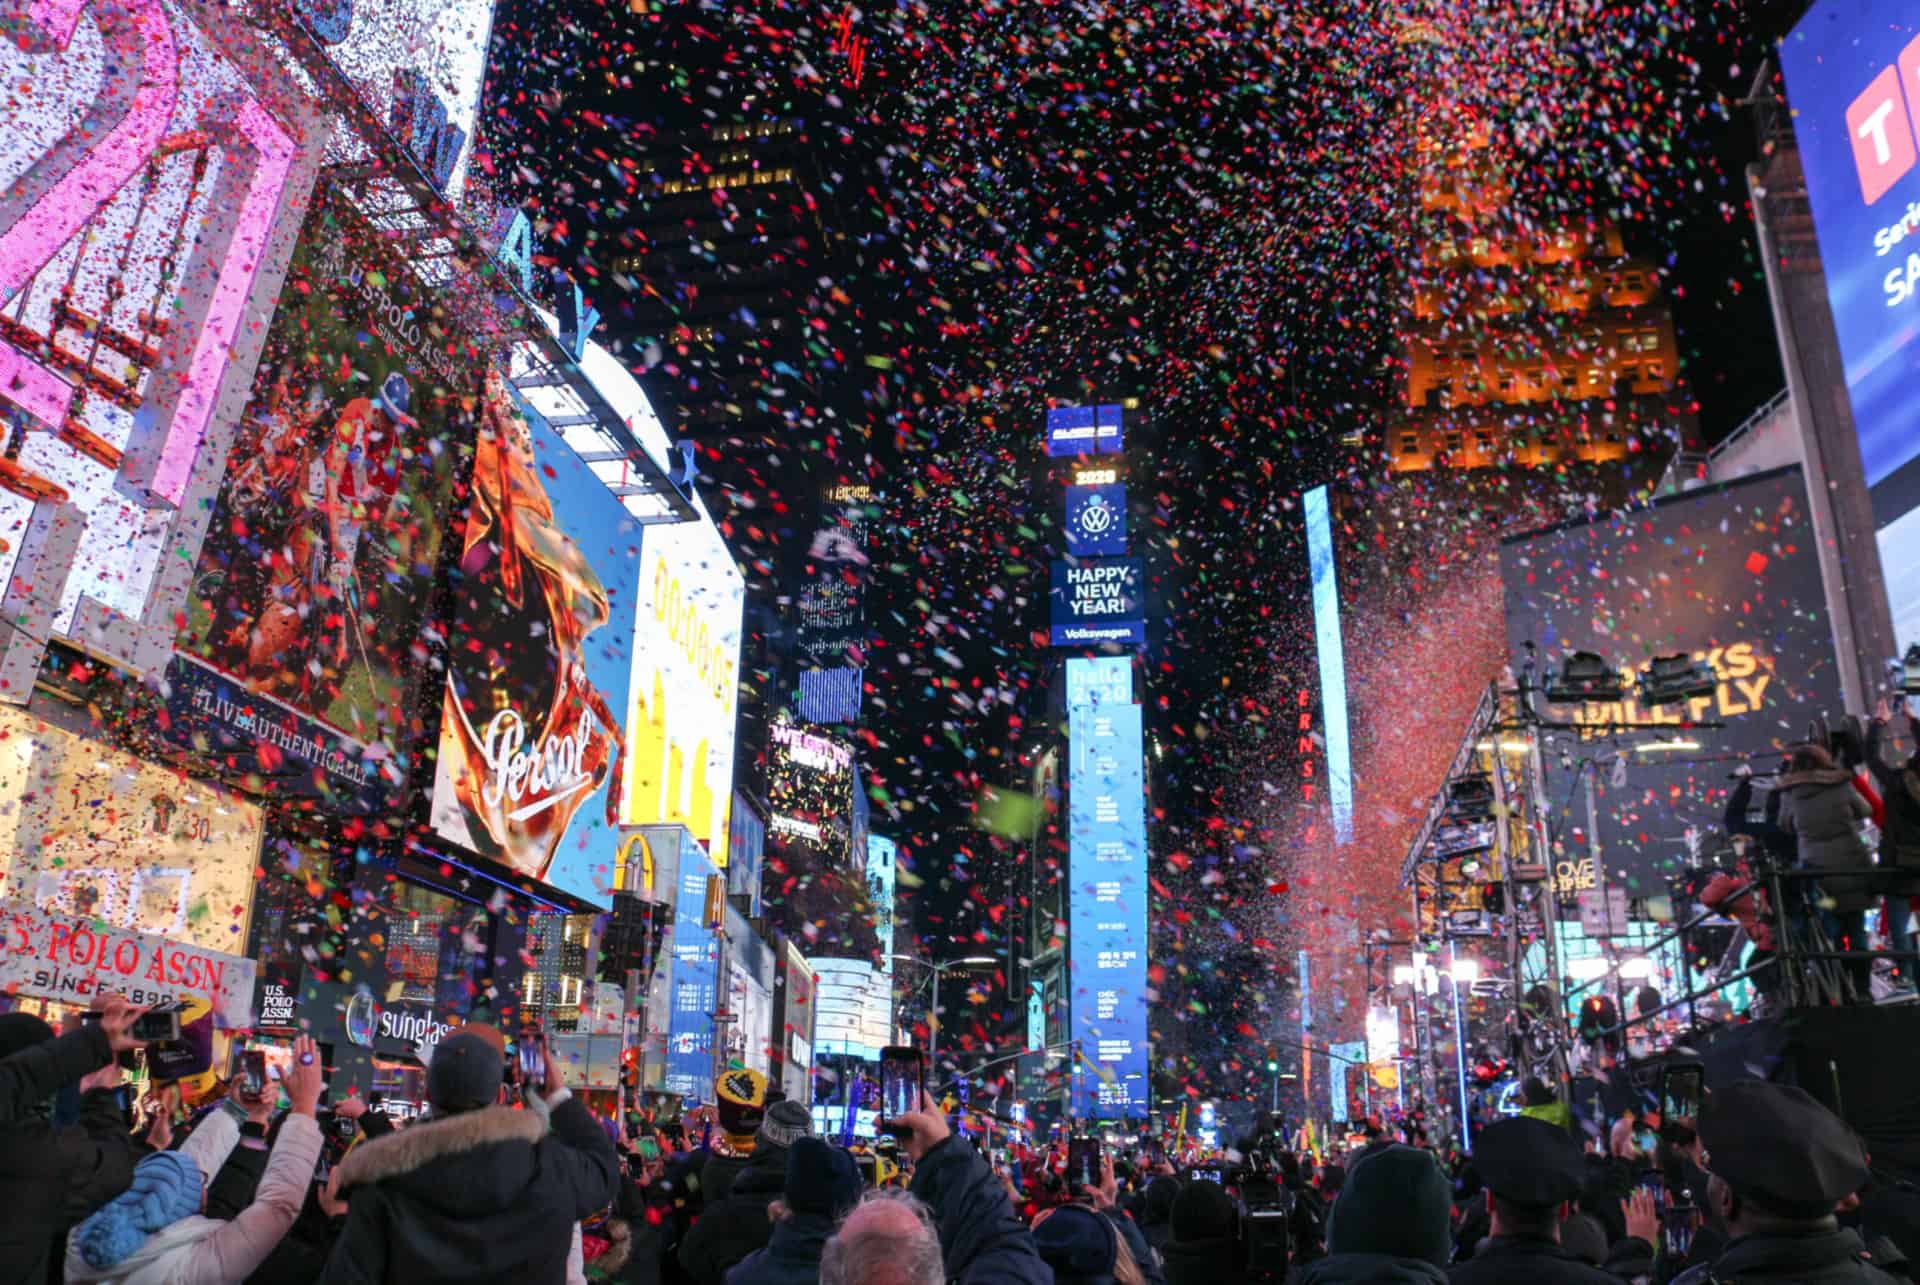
(810, 792)
(685, 690)
(298, 663)
(695, 983)
(1107, 910)
(1330, 650)
(1852, 69)
(1097, 600)
(154, 160)
(1099, 680)
(418, 63)
(1724, 575)
(1085, 430)
(831, 607)
(539, 655)
(1096, 519)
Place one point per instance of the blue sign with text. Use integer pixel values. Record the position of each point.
(1097, 600)
(1853, 75)
(1084, 430)
(696, 965)
(1097, 519)
(1107, 910)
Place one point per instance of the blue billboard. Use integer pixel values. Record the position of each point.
(1097, 519)
(1099, 680)
(1097, 600)
(696, 970)
(1331, 653)
(1853, 75)
(1107, 911)
(1084, 430)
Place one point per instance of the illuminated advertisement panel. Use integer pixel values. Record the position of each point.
(1107, 910)
(1084, 430)
(153, 164)
(1331, 652)
(1099, 680)
(883, 863)
(418, 63)
(831, 608)
(694, 983)
(685, 691)
(1097, 519)
(1097, 600)
(298, 665)
(1722, 575)
(156, 852)
(539, 657)
(1853, 74)
(810, 792)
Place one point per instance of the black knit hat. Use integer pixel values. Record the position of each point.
(1395, 1202)
(1204, 1211)
(821, 1179)
(465, 1073)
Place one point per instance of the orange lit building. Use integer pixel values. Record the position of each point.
(1524, 344)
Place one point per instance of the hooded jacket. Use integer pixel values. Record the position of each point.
(1828, 1258)
(483, 1196)
(1823, 812)
(51, 1178)
(1215, 1260)
(216, 1251)
(1365, 1269)
(734, 1223)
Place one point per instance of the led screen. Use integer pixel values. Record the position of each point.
(1085, 430)
(1097, 519)
(1097, 600)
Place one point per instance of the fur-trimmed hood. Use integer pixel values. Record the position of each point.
(454, 1162)
(1820, 778)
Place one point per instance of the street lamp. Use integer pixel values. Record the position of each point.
(933, 1007)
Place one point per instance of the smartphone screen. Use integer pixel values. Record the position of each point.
(1655, 1182)
(1680, 1089)
(648, 1148)
(1676, 1230)
(533, 1067)
(1083, 1161)
(253, 1072)
(902, 1077)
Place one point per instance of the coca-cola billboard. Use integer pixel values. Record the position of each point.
(540, 652)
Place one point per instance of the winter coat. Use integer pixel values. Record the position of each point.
(1213, 1261)
(1900, 834)
(51, 1178)
(792, 1256)
(735, 1223)
(1527, 1258)
(981, 1238)
(1825, 1258)
(1823, 812)
(483, 1196)
(1364, 1269)
(216, 1251)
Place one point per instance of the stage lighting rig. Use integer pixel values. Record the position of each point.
(1584, 677)
(1674, 680)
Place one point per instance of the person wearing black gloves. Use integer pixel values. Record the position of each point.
(477, 1193)
(51, 1178)
(1533, 1171)
(1780, 1162)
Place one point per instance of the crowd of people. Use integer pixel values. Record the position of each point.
(511, 1182)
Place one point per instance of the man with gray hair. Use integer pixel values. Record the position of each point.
(957, 1225)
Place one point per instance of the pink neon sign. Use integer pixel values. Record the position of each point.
(67, 188)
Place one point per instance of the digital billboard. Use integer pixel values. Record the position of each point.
(298, 664)
(810, 793)
(1852, 69)
(695, 983)
(1085, 430)
(1099, 680)
(1330, 650)
(1097, 600)
(686, 683)
(1107, 910)
(154, 162)
(539, 655)
(1097, 519)
(1728, 576)
(831, 607)
(418, 63)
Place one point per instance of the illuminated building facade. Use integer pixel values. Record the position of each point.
(1526, 343)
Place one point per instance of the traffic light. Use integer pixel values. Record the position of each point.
(1272, 1065)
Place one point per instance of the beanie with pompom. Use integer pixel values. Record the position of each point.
(166, 1188)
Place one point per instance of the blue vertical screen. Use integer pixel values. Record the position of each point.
(1107, 910)
(696, 961)
(1333, 662)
